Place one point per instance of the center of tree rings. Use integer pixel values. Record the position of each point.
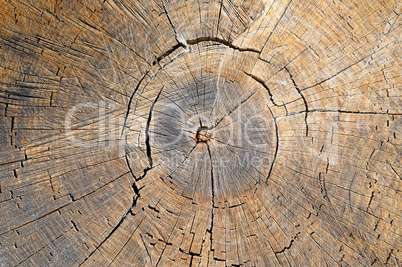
(202, 135)
(212, 133)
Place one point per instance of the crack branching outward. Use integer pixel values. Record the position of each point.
(181, 44)
(302, 96)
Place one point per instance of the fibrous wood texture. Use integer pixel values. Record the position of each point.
(200, 133)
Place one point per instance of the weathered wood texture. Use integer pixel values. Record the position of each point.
(200, 133)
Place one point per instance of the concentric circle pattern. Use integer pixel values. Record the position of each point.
(166, 114)
(200, 133)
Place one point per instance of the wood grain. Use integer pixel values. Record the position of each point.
(200, 133)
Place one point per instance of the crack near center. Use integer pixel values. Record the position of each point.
(231, 111)
(213, 197)
(147, 142)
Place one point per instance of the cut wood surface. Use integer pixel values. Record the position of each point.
(200, 133)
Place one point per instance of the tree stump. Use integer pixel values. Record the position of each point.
(200, 133)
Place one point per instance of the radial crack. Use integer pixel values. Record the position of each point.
(181, 41)
(184, 160)
(231, 111)
(61, 207)
(146, 249)
(336, 74)
(213, 197)
(219, 18)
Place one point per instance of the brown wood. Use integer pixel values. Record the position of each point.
(200, 133)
